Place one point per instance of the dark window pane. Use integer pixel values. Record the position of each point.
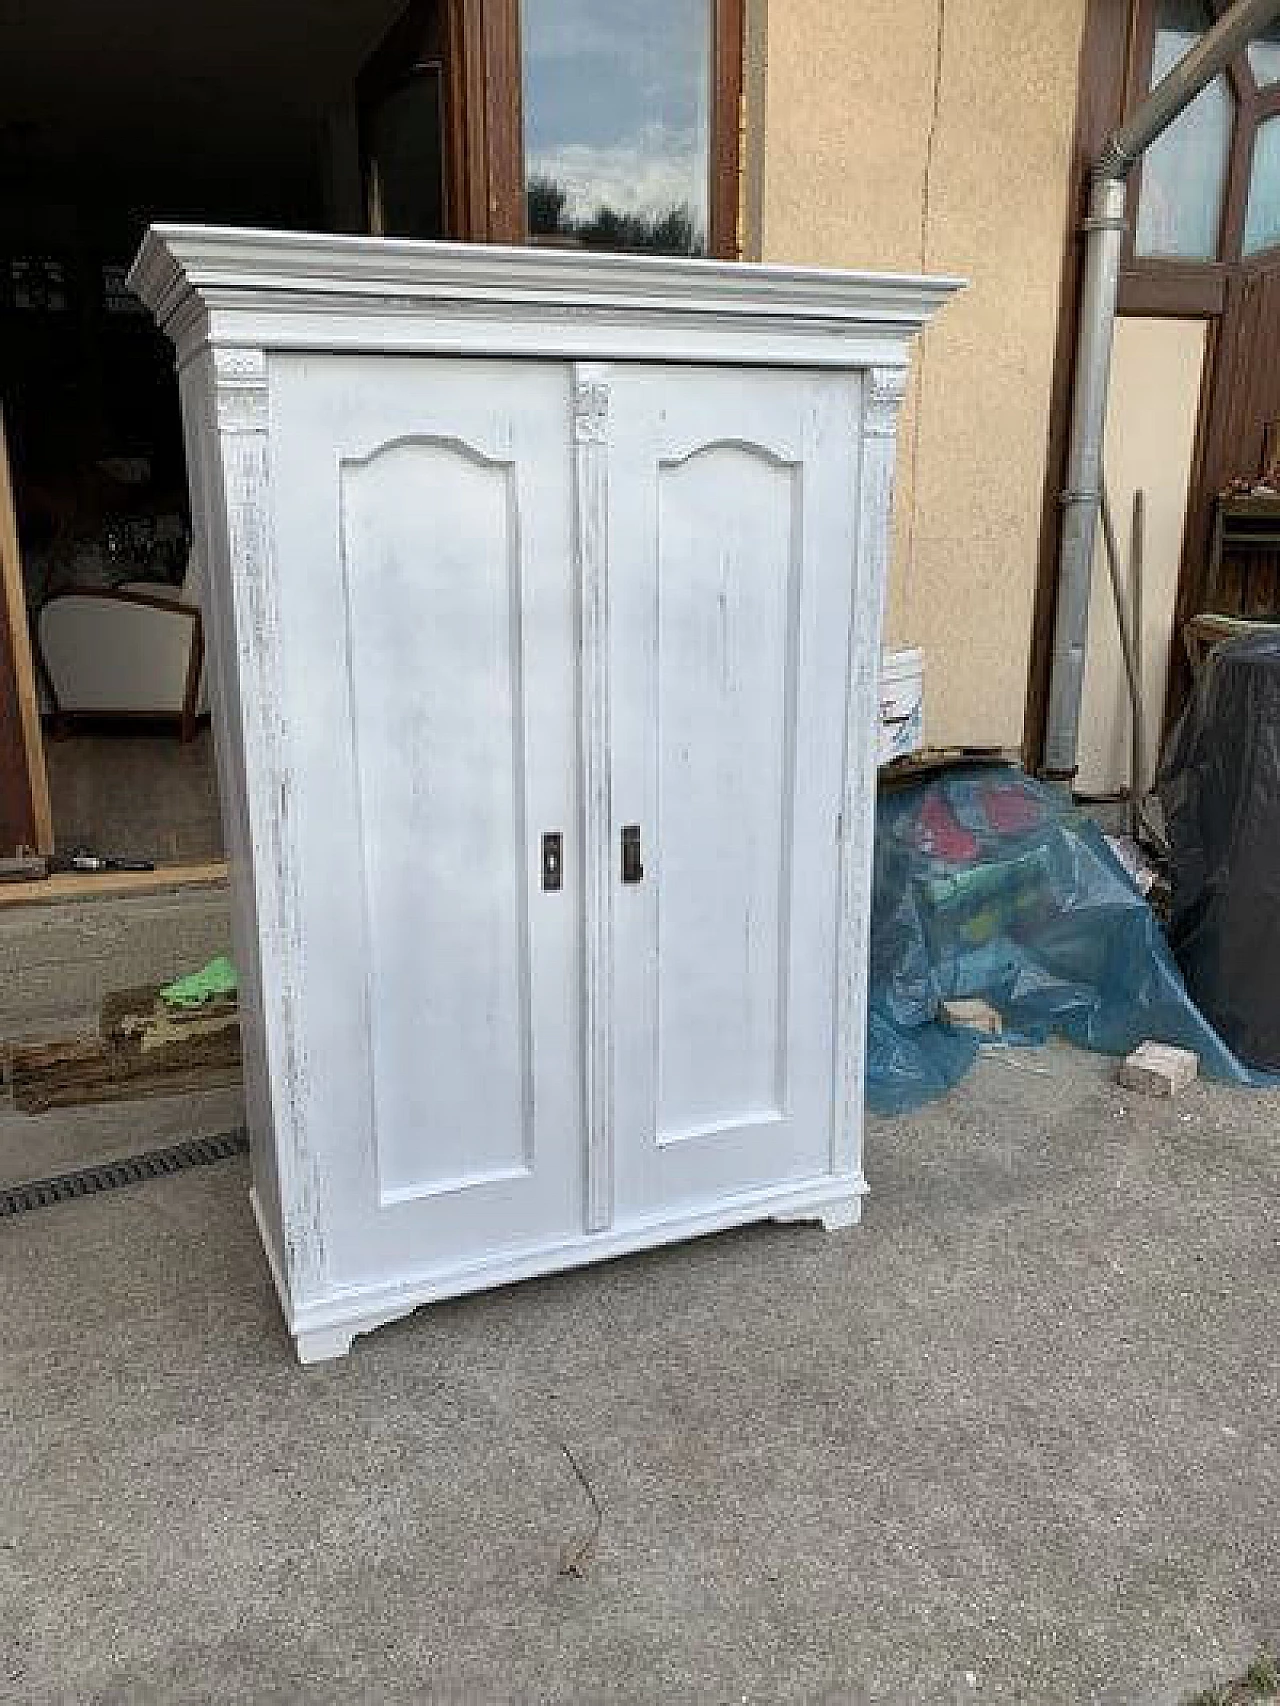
(617, 122)
(1184, 172)
(405, 156)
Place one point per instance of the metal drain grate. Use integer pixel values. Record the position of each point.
(89, 1181)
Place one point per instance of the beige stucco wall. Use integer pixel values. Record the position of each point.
(1156, 371)
(936, 134)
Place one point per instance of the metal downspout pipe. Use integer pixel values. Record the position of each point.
(1104, 230)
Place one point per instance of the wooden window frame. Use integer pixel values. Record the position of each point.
(1188, 289)
(725, 236)
(486, 133)
(477, 42)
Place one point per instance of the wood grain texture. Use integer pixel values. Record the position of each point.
(25, 818)
(726, 129)
(1169, 290)
(503, 122)
(78, 885)
(143, 1048)
(102, 1083)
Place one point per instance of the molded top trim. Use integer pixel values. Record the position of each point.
(185, 273)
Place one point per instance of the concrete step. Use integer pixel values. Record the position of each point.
(58, 960)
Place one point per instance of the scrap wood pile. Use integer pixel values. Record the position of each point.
(150, 1042)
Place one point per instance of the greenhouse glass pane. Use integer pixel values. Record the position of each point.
(1262, 222)
(1184, 172)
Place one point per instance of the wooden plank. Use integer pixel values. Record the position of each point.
(144, 1048)
(726, 131)
(504, 122)
(64, 1054)
(25, 816)
(1252, 509)
(1173, 292)
(79, 885)
(46, 1097)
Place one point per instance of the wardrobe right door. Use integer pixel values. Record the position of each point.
(731, 533)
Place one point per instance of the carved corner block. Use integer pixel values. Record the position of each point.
(590, 411)
(882, 402)
(240, 389)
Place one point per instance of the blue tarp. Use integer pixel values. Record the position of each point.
(990, 884)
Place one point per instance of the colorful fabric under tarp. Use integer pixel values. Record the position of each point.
(989, 884)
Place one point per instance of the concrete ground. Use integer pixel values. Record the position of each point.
(39, 1146)
(1014, 1439)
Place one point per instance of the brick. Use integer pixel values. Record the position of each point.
(971, 1013)
(1159, 1069)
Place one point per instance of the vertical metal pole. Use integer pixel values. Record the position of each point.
(1080, 500)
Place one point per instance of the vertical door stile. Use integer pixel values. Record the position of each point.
(883, 389)
(591, 550)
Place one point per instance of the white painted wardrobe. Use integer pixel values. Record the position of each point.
(545, 620)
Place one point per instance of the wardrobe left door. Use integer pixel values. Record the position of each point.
(426, 609)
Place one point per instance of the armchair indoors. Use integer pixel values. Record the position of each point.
(134, 651)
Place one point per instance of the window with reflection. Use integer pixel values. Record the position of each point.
(617, 123)
(1184, 172)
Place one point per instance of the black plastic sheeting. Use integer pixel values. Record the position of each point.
(1220, 790)
(989, 884)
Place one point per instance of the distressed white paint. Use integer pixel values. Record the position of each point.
(732, 553)
(502, 543)
(591, 560)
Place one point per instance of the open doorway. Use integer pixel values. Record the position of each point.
(307, 114)
(581, 122)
